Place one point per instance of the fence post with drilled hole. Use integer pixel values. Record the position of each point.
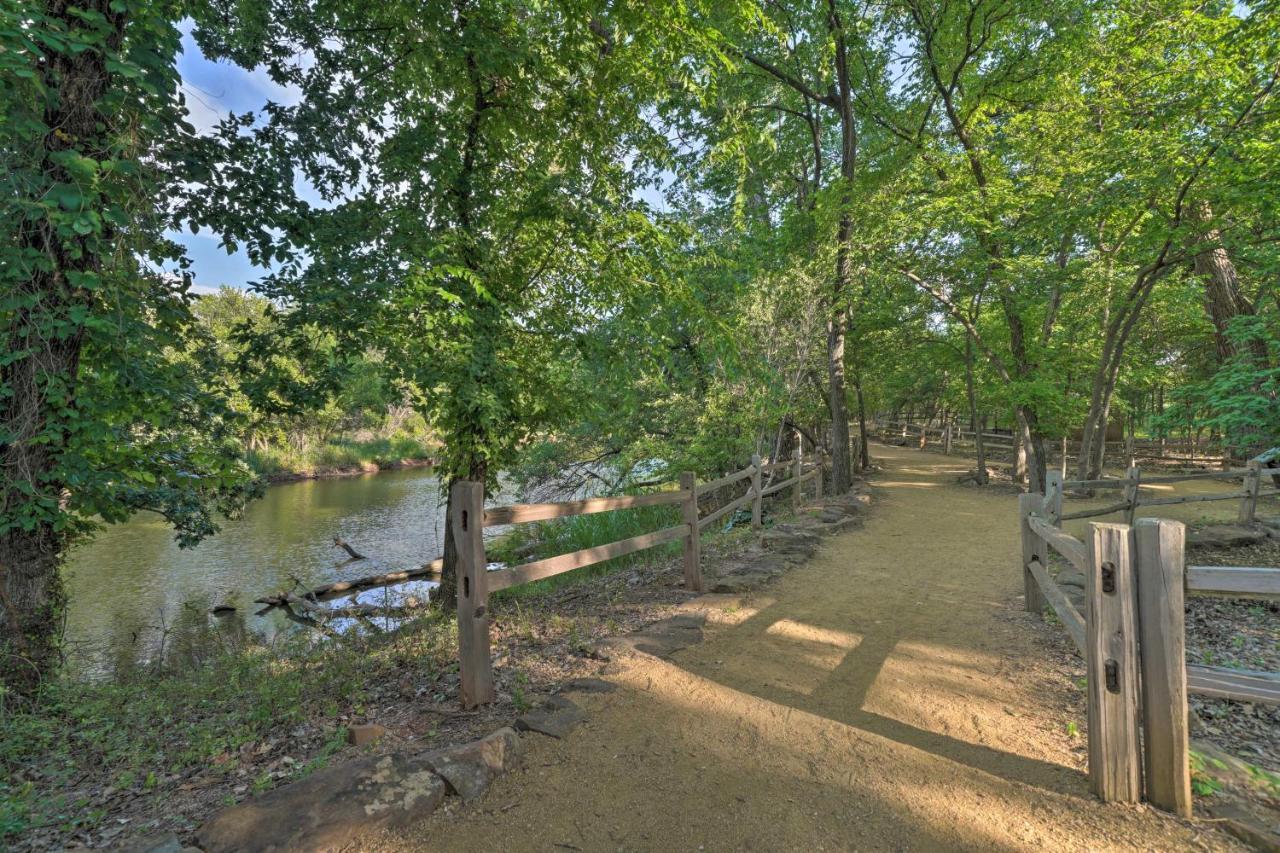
(1111, 659)
(466, 518)
(1160, 567)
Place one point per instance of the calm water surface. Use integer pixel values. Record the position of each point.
(132, 579)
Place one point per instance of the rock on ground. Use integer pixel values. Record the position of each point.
(330, 809)
(556, 718)
(470, 769)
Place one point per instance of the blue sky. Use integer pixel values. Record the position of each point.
(214, 89)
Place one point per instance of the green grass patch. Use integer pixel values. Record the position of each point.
(340, 453)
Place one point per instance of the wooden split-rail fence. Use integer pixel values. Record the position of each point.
(1131, 485)
(950, 437)
(1132, 637)
(469, 518)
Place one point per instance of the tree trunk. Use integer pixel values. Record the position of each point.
(976, 423)
(1019, 452)
(838, 323)
(1223, 299)
(841, 474)
(41, 383)
(864, 463)
(1033, 444)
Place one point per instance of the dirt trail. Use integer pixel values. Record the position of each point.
(888, 695)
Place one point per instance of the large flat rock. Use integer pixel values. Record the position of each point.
(330, 809)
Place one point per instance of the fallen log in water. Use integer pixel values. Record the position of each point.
(431, 571)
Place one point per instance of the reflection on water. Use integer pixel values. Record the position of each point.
(130, 583)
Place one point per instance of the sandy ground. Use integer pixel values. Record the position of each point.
(888, 695)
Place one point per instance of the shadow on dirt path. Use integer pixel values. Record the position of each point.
(890, 694)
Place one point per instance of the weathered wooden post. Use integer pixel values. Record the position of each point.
(1033, 549)
(1111, 659)
(1160, 568)
(1053, 498)
(692, 541)
(757, 500)
(1132, 476)
(1252, 483)
(946, 437)
(466, 517)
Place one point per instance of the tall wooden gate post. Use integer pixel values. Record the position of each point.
(1111, 657)
(1162, 649)
(692, 542)
(466, 517)
(757, 499)
(1252, 483)
(1033, 549)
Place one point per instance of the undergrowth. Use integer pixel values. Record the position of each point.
(144, 732)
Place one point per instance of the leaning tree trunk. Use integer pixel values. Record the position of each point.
(1033, 443)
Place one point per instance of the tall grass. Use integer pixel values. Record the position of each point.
(564, 535)
(338, 454)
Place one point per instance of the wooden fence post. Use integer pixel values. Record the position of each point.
(946, 437)
(1033, 549)
(1132, 476)
(820, 457)
(1252, 483)
(1111, 657)
(757, 499)
(692, 542)
(1162, 649)
(466, 517)
(1053, 498)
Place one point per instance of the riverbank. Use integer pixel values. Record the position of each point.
(342, 458)
(370, 467)
(162, 750)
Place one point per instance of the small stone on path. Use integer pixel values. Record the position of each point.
(556, 719)
(365, 734)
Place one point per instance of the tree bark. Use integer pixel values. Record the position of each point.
(837, 324)
(1223, 299)
(42, 379)
(864, 452)
(977, 424)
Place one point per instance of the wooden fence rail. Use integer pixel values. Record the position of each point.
(1134, 482)
(1133, 639)
(468, 519)
(951, 434)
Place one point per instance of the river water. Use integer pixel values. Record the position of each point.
(131, 581)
